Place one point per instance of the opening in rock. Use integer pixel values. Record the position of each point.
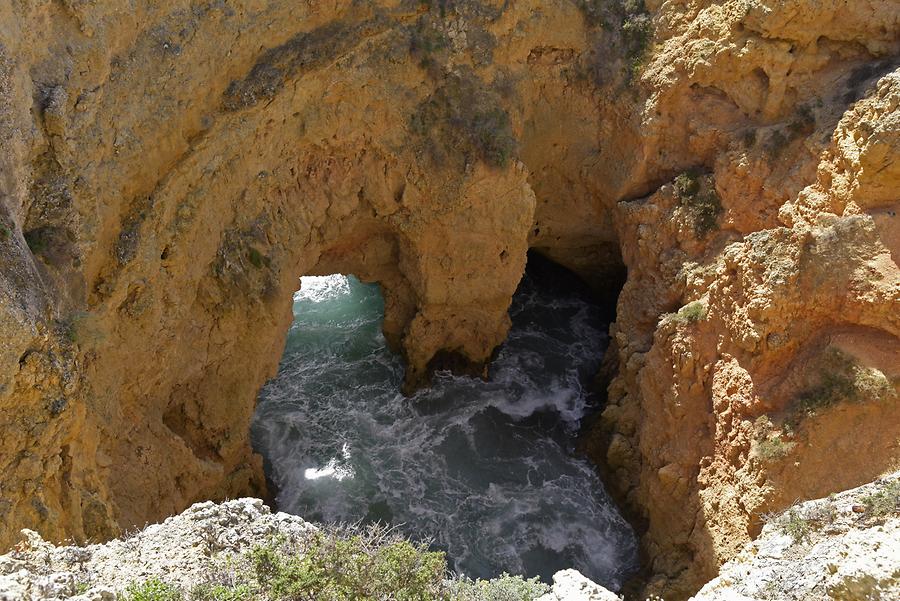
(485, 469)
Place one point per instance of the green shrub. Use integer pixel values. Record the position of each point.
(221, 592)
(257, 259)
(152, 590)
(631, 28)
(883, 503)
(637, 31)
(340, 564)
(361, 566)
(504, 588)
(38, 240)
(800, 522)
(687, 184)
(841, 379)
(773, 448)
(692, 312)
(795, 525)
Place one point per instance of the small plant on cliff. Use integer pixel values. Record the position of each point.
(504, 588)
(628, 31)
(773, 448)
(692, 312)
(883, 503)
(221, 592)
(153, 589)
(257, 259)
(841, 379)
(794, 524)
(800, 522)
(769, 444)
(698, 195)
(369, 564)
(37, 240)
(637, 31)
(427, 45)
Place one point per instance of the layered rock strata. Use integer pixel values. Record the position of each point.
(169, 170)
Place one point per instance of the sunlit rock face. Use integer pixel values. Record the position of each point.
(168, 170)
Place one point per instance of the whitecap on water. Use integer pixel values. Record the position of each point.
(318, 289)
(336, 468)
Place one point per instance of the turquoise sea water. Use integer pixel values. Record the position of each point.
(484, 469)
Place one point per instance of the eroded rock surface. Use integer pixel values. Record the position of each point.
(757, 333)
(171, 169)
(183, 551)
(167, 171)
(843, 547)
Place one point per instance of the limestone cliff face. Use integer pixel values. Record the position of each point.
(169, 170)
(757, 333)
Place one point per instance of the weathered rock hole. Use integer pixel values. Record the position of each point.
(482, 464)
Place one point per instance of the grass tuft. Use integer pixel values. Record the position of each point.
(842, 379)
(152, 590)
(885, 502)
(692, 312)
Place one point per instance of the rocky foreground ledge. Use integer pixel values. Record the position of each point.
(845, 547)
(208, 543)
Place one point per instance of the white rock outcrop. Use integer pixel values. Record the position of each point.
(845, 547)
(180, 550)
(572, 585)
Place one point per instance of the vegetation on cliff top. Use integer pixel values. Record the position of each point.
(341, 564)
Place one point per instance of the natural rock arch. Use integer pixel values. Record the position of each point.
(167, 172)
(184, 175)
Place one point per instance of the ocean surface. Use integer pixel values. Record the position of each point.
(484, 469)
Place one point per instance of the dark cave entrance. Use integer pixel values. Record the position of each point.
(487, 469)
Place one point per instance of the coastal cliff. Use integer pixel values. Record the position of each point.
(726, 170)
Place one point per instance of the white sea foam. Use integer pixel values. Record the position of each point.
(318, 289)
(336, 468)
(482, 468)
